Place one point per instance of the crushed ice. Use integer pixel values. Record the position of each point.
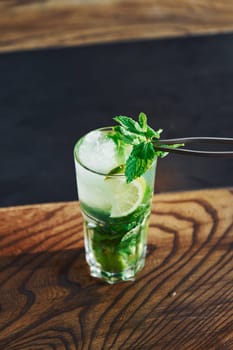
(98, 152)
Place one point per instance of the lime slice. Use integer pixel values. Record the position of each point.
(125, 198)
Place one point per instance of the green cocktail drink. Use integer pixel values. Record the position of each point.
(116, 213)
(115, 171)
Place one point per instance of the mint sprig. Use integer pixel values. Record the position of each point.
(142, 138)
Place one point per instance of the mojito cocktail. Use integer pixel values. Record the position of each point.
(115, 170)
(116, 213)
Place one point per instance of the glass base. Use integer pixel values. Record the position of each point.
(116, 277)
(115, 253)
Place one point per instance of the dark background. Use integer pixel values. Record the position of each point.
(49, 98)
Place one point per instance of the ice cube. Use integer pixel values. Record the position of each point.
(92, 189)
(98, 152)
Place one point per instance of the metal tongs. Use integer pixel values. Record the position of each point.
(161, 146)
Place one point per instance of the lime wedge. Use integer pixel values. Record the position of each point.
(125, 198)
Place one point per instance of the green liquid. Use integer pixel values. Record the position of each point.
(116, 247)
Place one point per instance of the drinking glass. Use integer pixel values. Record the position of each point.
(115, 219)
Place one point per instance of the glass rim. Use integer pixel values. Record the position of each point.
(106, 128)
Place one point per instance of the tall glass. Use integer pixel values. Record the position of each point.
(115, 239)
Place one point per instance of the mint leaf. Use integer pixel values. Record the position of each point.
(125, 135)
(130, 124)
(162, 154)
(119, 142)
(151, 133)
(143, 121)
(140, 159)
(174, 145)
(143, 139)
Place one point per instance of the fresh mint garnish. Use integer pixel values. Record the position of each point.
(143, 140)
(140, 159)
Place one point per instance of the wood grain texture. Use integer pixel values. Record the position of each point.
(50, 23)
(181, 300)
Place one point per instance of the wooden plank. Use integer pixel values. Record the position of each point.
(182, 299)
(50, 23)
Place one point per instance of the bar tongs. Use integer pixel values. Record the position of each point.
(161, 146)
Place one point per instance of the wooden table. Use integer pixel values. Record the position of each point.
(60, 23)
(181, 300)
